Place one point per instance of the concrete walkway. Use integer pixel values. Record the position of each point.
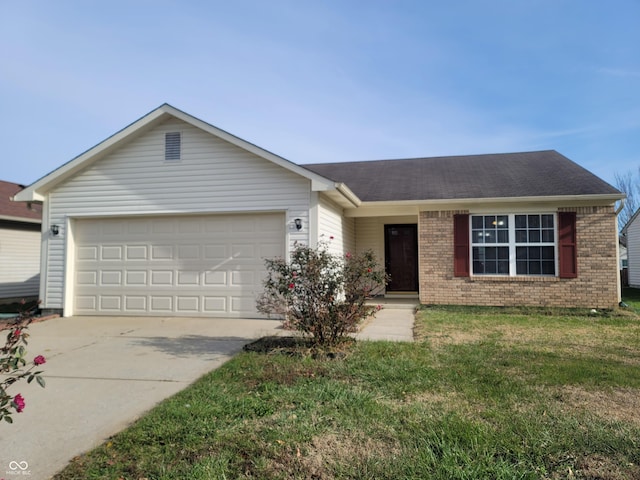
(103, 373)
(394, 322)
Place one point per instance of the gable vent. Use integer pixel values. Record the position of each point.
(172, 146)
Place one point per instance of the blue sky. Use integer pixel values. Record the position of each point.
(326, 81)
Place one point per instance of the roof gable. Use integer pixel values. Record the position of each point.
(495, 176)
(37, 190)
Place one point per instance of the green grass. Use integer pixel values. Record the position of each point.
(483, 393)
(631, 296)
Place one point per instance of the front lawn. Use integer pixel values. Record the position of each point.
(484, 393)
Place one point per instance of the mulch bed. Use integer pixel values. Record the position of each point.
(298, 346)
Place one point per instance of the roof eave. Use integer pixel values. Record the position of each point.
(20, 219)
(598, 198)
(38, 190)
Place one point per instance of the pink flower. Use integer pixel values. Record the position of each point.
(348, 255)
(294, 274)
(39, 360)
(18, 403)
(379, 307)
(291, 286)
(17, 333)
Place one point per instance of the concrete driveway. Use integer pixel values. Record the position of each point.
(102, 373)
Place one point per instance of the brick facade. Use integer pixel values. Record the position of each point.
(595, 287)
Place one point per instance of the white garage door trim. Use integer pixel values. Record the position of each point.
(179, 265)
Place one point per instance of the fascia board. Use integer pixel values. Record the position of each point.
(20, 219)
(384, 208)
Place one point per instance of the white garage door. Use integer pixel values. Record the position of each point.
(205, 265)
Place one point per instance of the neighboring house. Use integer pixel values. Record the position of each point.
(631, 234)
(172, 216)
(19, 246)
(624, 260)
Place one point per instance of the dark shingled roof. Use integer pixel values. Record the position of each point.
(528, 174)
(16, 209)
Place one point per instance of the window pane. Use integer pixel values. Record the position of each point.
(503, 236)
(534, 267)
(503, 221)
(521, 253)
(548, 268)
(547, 236)
(521, 221)
(547, 221)
(490, 236)
(521, 236)
(476, 222)
(489, 221)
(490, 253)
(534, 221)
(503, 253)
(478, 268)
(490, 267)
(548, 253)
(534, 253)
(503, 267)
(521, 267)
(478, 237)
(534, 236)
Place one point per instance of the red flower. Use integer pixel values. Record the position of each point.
(291, 286)
(18, 403)
(331, 237)
(348, 255)
(368, 270)
(39, 360)
(17, 333)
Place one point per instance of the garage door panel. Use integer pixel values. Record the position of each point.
(161, 252)
(137, 252)
(111, 278)
(135, 303)
(87, 278)
(110, 303)
(188, 278)
(197, 266)
(111, 252)
(136, 277)
(89, 252)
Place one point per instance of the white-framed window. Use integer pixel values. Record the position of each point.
(514, 244)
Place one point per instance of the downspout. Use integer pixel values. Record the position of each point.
(619, 280)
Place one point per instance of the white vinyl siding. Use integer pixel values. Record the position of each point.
(633, 252)
(19, 262)
(212, 176)
(337, 231)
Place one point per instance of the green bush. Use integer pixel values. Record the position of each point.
(321, 294)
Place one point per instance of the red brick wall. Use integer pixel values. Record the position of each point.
(595, 286)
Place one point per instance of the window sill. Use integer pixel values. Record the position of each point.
(516, 278)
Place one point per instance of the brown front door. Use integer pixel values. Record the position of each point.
(401, 257)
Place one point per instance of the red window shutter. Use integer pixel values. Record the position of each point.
(567, 247)
(461, 245)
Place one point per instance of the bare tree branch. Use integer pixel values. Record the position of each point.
(628, 183)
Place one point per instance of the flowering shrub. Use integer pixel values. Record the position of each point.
(320, 294)
(14, 365)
